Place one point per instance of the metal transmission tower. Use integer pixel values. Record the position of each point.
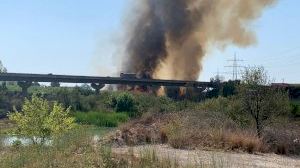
(235, 67)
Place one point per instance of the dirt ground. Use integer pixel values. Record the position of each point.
(200, 158)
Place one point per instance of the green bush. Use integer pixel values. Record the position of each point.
(154, 104)
(79, 98)
(40, 118)
(231, 106)
(101, 119)
(295, 109)
(124, 102)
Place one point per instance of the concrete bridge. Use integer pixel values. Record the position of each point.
(25, 80)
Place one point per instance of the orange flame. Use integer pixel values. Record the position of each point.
(161, 91)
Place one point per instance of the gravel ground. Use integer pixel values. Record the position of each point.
(200, 158)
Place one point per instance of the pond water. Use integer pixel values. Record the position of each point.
(95, 132)
(10, 140)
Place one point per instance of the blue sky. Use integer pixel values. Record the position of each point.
(82, 38)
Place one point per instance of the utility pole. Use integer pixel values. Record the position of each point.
(218, 75)
(235, 67)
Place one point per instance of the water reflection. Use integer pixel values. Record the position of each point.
(10, 140)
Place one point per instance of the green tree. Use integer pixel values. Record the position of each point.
(55, 84)
(2, 68)
(125, 102)
(229, 88)
(215, 92)
(259, 99)
(40, 120)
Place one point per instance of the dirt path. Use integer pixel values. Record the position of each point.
(214, 158)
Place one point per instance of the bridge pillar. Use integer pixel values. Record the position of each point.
(97, 87)
(25, 85)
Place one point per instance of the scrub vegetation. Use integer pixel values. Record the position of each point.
(257, 118)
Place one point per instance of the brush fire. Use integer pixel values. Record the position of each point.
(168, 39)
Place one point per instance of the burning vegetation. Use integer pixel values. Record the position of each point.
(167, 39)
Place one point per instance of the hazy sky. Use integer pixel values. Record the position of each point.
(82, 37)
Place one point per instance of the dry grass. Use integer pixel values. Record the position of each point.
(283, 140)
(206, 159)
(140, 131)
(179, 136)
(244, 141)
(205, 131)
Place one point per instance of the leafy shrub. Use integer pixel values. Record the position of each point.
(124, 102)
(150, 103)
(261, 102)
(166, 104)
(101, 119)
(229, 88)
(40, 119)
(230, 106)
(295, 109)
(79, 98)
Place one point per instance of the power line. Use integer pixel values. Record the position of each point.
(283, 59)
(235, 67)
(280, 54)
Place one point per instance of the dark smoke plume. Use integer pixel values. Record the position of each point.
(168, 39)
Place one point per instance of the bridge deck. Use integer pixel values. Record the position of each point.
(20, 77)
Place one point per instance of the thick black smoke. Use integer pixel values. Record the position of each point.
(169, 38)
